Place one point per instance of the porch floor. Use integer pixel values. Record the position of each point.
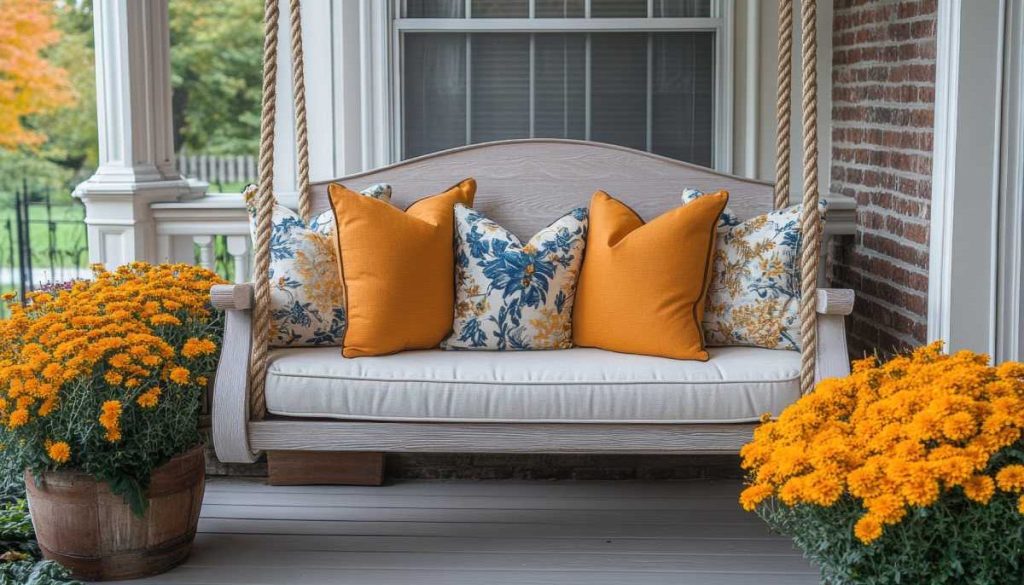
(485, 532)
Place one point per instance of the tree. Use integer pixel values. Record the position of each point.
(216, 75)
(29, 83)
(73, 142)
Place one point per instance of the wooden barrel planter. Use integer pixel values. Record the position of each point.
(82, 525)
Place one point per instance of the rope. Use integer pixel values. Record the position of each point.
(783, 104)
(299, 91)
(810, 219)
(264, 210)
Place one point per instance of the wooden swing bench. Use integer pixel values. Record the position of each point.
(303, 400)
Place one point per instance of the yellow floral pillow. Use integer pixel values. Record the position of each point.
(307, 300)
(754, 297)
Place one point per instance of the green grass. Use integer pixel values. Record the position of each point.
(226, 187)
(69, 237)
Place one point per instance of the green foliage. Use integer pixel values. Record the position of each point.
(216, 73)
(15, 523)
(31, 572)
(20, 562)
(953, 542)
(73, 142)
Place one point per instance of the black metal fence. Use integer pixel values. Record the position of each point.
(40, 240)
(43, 239)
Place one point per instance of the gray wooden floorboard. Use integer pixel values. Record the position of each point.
(478, 533)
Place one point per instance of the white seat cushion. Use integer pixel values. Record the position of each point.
(738, 384)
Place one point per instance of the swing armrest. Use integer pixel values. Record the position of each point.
(230, 400)
(835, 301)
(228, 297)
(833, 359)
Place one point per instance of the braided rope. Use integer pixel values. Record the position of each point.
(299, 91)
(810, 219)
(264, 210)
(783, 104)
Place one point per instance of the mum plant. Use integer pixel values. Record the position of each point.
(105, 376)
(910, 471)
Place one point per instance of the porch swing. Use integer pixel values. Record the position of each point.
(313, 399)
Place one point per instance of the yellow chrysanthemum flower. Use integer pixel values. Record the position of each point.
(980, 488)
(754, 495)
(59, 452)
(195, 347)
(1011, 478)
(18, 418)
(150, 398)
(179, 375)
(110, 420)
(867, 529)
(893, 435)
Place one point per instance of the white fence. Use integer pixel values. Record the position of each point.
(216, 169)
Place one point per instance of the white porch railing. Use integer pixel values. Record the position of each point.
(186, 232)
(215, 169)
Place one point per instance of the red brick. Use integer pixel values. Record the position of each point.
(883, 94)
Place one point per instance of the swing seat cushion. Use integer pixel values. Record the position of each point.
(580, 385)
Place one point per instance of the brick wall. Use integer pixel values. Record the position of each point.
(883, 94)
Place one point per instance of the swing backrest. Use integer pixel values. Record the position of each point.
(537, 186)
(524, 185)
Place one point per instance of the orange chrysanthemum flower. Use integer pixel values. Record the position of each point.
(894, 436)
(59, 452)
(179, 375)
(150, 398)
(1011, 478)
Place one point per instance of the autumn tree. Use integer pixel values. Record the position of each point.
(29, 83)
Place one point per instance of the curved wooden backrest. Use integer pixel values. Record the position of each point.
(524, 185)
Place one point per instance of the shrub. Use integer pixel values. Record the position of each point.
(106, 376)
(910, 471)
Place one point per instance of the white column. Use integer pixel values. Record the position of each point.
(136, 150)
(964, 270)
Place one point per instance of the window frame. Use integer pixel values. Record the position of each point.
(720, 22)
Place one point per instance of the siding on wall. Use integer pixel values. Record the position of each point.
(883, 94)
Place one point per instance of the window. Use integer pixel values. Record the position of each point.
(639, 73)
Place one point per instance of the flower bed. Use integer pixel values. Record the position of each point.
(907, 472)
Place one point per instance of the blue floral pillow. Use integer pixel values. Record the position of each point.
(754, 296)
(511, 296)
(307, 300)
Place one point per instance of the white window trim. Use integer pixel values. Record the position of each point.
(975, 264)
(381, 44)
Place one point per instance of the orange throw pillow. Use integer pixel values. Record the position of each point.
(642, 286)
(397, 268)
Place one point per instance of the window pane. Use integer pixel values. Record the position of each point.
(618, 8)
(434, 88)
(682, 8)
(560, 97)
(647, 90)
(683, 83)
(435, 8)
(559, 9)
(618, 89)
(501, 9)
(500, 86)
